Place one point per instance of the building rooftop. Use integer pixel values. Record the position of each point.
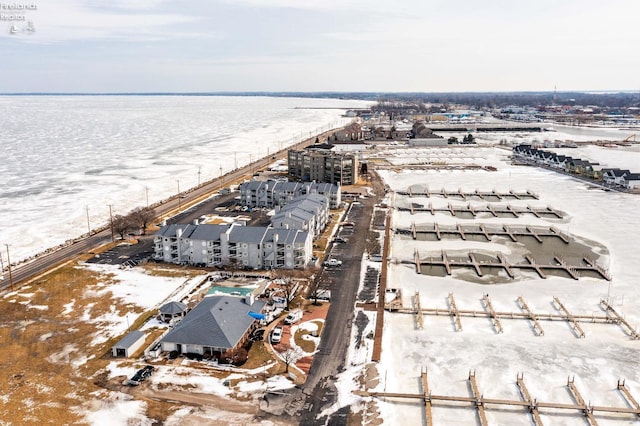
(217, 322)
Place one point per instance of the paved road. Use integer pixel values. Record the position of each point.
(305, 404)
(24, 272)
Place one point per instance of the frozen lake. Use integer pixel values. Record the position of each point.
(64, 154)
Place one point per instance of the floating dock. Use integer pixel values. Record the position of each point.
(422, 191)
(486, 231)
(495, 211)
(500, 262)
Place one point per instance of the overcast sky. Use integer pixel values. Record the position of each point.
(320, 45)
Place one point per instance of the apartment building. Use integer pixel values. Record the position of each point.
(254, 247)
(321, 164)
(273, 193)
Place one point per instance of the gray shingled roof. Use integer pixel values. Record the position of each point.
(173, 308)
(170, 231)
(247, 234)
(209, 232)
(217, 321)
(285, 236)
(129, 339)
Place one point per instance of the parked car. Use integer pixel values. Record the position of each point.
(141, 375)
(339, 240)
(276, 334)
(333, 262)
(257, 335)
(293, 317)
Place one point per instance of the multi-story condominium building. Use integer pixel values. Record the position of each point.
(323, 165)
(306, 213)
(273, 193)
(236, 245)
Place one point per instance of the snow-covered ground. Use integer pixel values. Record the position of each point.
(597, 361)
(135, 287)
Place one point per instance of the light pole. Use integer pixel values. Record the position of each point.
(146, 190)
(88, 224)
(235, 160)
(179, 198)
(199, 168)
(9, 265)
(113, 238)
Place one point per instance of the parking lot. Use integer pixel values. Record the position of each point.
(126, 254)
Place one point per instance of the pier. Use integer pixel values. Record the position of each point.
(486, 127)
(501, 262)
(609, 315)
(423, 191)
(495, 211)
(463, 231)
(526, 404)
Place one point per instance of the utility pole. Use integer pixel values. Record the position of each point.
(88, 224)
(250, 164)
(9, 264)
(198, 176)
(179, 198)
(146, 190)
(235, 160)
(113, 238)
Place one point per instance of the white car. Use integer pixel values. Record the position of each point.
(333, 262)
(276, 334)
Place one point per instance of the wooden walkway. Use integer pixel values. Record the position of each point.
(609, 315)
(486, 231)
(377, 339)
(494, 210)
(423, 191)
(448, 262)
(528, 405)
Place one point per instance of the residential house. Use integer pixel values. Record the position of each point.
(216, 328)
(352, 132)
(614, 176)
(631, 181)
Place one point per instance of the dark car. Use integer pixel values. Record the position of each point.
(141, 375)
(257, 335)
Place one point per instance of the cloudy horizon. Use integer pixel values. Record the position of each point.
(349, 45)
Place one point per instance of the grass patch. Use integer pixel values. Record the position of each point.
(258, 356)
(45, 372)
(308, 346)
(169, 270)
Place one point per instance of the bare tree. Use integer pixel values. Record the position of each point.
(290, 356)
(121, 225)
(315, 293)
(141, 216)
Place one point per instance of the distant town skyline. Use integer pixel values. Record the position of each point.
(329, 45)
